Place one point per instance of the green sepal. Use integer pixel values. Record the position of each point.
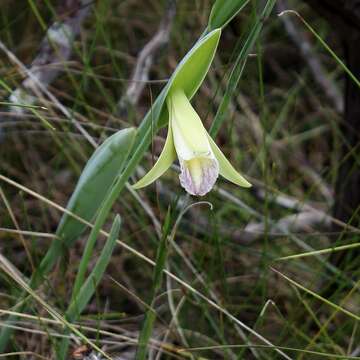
(166, 158)
(225, 168)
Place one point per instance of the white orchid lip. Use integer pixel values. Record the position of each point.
(199, 167)
(198, 175)
(201, 161)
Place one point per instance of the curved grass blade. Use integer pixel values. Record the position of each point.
(317, 296)
(324, 44)
(240, 66)
(23, 105)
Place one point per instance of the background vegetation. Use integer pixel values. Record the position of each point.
(282, 129)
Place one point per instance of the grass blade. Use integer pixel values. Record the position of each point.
(82, 298)
(317, 296)
(150, 316)
(239, 67)
(324, 44)
(320, 252)
(54, 313)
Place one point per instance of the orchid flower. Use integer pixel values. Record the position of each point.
(201, 161)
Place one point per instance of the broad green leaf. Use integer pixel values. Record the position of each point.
(87, 290)
(223, 11)
(93, 185)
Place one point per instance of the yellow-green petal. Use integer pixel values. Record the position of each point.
(225, 168)
(166, 158)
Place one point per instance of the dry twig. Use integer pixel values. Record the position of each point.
(145, 60)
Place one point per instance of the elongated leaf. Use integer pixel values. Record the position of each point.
(319, 297)
(223, 11)
(95, 181)
(88, 288)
